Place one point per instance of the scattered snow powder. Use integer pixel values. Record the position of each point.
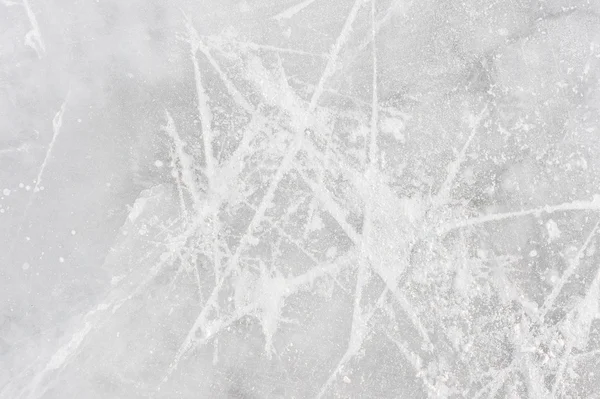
(61, 259)
(244, 7)
(551, 277)
(115, 280)
(158, 163)
(25, 266)
(73, 232)
(394, 127)
(137, 208)
(347, 380)
(21, 185)
(481, 253)
(331, 252)
(68, 350)
(6, 192)
(553, 230)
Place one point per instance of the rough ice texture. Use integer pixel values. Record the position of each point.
(299, 199)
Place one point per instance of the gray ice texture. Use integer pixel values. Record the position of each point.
(267, 199)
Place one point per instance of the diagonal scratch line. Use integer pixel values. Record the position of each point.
(591, 296)
(58, 361)
(332, 207)
(231, 88)
(358, 334)
(331, 66)
(56, 126)
(294, 284)
(233, 262)
(407, 307)
(23, 147)
(203, 108)
(281, 230)
(339, 216)
(282, 170)
(310, 86)
(216, 42)
(496, 383)
(229, 85)
(320, 270)
(573, 265)
(393, 9)
(205, 116)
(33, 38)
(290, 12)
(179, 183)
(94, 320)
(455, 165)
(186, 162)
(561, 368)
(375, 100)
(358, 330)
(577, 205)
(415, 361)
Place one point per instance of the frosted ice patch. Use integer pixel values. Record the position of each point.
(137, 208)
(65, 352)
(331, 252)
(244, 7)
(115, 280)
(533, 253)
(551, 277)
(394, 127)
(553, 230)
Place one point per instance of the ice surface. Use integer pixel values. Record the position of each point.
(299, 199)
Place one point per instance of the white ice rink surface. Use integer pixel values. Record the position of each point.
(268, 199)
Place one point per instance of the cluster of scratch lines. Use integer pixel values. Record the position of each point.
(199, 210)
(203, 329)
